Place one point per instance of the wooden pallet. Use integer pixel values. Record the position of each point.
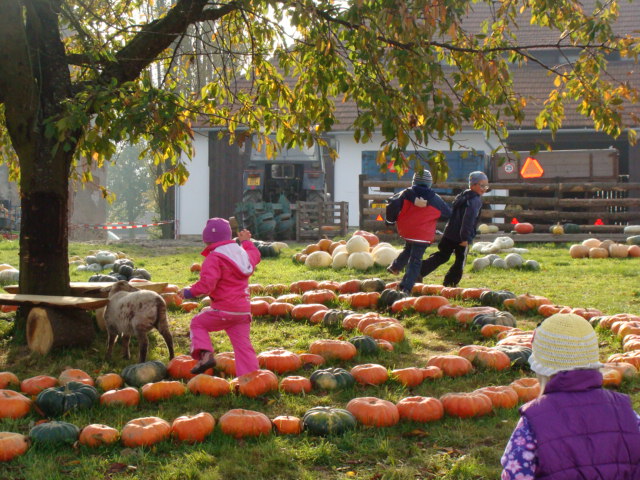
(317, 220)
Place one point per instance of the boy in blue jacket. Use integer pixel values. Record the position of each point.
(459, 231)
(416, 223)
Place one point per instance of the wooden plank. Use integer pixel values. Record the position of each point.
(86, 303)
(92, 289)
(529, 185)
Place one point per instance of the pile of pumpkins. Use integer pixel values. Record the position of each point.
(8, 274)
(512, 260)
(499, 245)
(118, 266)
(594, 248)
(361, 252)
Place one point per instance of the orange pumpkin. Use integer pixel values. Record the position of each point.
(109, 381)
(317, 317)
(374, 411)
(448, 311)
(527, 388)
(485, 356)
(162, 390)
(288, 425)
(490, 330)
(172, 299)
(632, 357)
(311, 359)
(12, 445)
(193, 428)
(204, 384)
(295, 384)
(420, 409)
(226, 363)
(333, 349)
(171, 288)
(363, 299)
(324, 244)
(473, 293)
(501, 396)
(275, 288)
(329, 284)
(547, 309)
(349, 286)
(13, 404)
(97, 435)
(451, 365)
(8, 379)
(466, 315)
(369, 237)
(280, 309)
(319, 296)
(611, 377)
(279, 360)
(429, 303)
(255, 383)
(409, 377)
(403, 304)
(128, 396)
(180, 367)
(523, 228)
(432, 289)
(370, 374)
(75, 375)
(304, 310)
(387, 330)
(465, 405)
(351, 321)
(144, 432)
(302, 286)
(451, 292)
(189, 306)
(245, 423)
(384, 344)
(264, 298)
(292, 298)
(371, 319)
(255, 288)
(195, 267)
(432, 372)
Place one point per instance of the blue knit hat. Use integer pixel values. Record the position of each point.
(477, 177)
(423, 178)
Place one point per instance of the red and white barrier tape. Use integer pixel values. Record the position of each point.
(121, 225)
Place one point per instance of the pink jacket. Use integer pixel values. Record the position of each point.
(225, 275)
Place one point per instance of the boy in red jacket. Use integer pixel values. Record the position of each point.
(225, 279)
(421, 209)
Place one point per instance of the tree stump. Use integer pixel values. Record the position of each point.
(49, 328)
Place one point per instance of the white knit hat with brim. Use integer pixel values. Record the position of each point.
(564, 341)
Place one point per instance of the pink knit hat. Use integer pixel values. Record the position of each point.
(216, 230)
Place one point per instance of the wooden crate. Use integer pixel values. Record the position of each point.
(314, 220)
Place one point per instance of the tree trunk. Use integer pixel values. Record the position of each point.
(50, 328)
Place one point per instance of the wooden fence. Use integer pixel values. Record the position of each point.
(317, 219)
(615, 204)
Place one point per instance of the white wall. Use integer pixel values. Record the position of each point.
(192, 198)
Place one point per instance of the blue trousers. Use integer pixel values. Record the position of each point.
(411, 257)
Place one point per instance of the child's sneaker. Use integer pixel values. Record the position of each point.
(392, 271)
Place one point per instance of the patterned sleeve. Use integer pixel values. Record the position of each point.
(519, 461)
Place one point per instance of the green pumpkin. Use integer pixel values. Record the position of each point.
(518, 354)
(334, 317)
(328, 420)
(140, 374)
(372, 285)
(388, 296)
(266, 249)
(633, 240)
(54, 432)
(595, 321)
(495, 298)
(55, 401)
(495, 318)
(332, 379)
(571, 228)
(365, 344)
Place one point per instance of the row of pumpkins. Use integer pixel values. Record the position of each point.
(361, 252)
(512, 260)
(594, 248)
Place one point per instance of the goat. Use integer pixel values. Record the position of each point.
(132, 311)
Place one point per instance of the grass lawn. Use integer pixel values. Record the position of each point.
(450, 448)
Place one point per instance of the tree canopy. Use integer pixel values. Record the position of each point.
(79, 77)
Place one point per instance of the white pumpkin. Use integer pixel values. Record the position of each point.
(360, 260)
(480, 263)
(319, 259)
(94, 267)
(531, 265)
(340, 260)
(483, 228)
(279, 246)
(499, 263)
(591, 242)
(478, 246)
(503, 242)
(339, 249)
(357, 243)
(9, 276)
(105, 257)
(513, 260)
(384, 256)
(6, 266)
(493, 228)
(632, 229)
(379, 246)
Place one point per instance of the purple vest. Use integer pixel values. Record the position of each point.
(584, 431)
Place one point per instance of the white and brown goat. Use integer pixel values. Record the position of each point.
(131, 311)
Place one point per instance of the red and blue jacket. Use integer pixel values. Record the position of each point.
(418, 223)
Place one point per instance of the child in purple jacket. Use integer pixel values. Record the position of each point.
(575, 429)
(224, 277)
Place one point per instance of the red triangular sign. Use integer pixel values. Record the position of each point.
(380, 219)
(531, 168)
(514, 221)
(599, 222)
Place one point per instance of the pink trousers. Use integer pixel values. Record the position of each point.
(237, 328)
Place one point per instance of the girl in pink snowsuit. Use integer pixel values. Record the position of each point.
(224, 277)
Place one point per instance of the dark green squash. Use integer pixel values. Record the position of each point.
(518, 354)
(571, 228)
(328, 420)
(141, 273)
(332, 379)
(495, 318)
(140, 374)
(365, 344)
(55, 401)
(334, 317)
(372, 285)
(54, 432)
(388, 296)
(495, 298)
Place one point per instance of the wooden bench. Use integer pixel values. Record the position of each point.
(63, 321)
